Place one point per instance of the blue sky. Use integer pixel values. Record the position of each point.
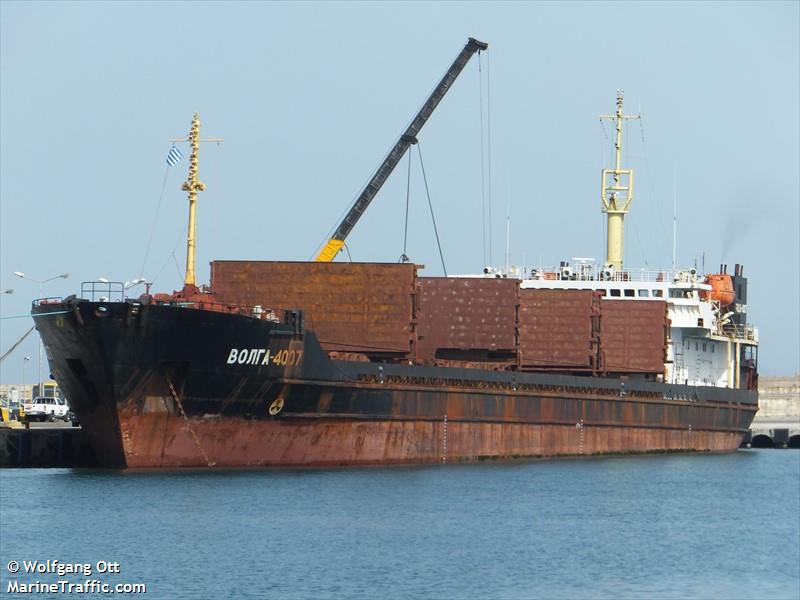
(309, 97)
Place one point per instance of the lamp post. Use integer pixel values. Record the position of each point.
(25, 362)
(41, 283)
(135, 282)
(125, 286)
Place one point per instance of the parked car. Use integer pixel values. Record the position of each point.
(45, 408)
(73, 418)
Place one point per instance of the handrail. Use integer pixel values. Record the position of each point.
(588, 272)
(742, 332)
(103, 291)
(256, 312)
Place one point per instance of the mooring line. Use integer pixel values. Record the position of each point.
(29, 315)
(189, 425)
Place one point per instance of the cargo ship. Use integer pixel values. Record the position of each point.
(329, 363)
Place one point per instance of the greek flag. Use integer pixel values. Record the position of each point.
(174, 156)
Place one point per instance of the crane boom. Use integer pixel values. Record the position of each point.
(408, 138)
(17, 343)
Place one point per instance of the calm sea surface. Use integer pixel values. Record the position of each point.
(677, 526)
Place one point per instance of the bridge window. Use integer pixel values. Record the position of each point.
(615, 293)
(658, 293)
(644, 293)
(630, 293)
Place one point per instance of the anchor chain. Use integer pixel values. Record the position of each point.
(209, 462)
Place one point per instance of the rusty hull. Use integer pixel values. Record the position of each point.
(428, 426)
(400, 415)
(167, 443)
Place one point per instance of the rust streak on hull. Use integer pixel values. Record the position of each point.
(242, 443)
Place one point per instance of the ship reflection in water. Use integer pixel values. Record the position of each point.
(678, 526)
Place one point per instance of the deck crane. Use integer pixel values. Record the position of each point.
(409, 137)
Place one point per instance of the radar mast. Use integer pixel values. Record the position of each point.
(616, 193)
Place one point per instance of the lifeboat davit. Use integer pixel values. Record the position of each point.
(721, 289)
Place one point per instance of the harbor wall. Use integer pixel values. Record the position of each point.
(40, 447)
(779, 398)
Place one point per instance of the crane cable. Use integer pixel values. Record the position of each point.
(483, 161)
(430, 205)
(404, 256)
(489, 147)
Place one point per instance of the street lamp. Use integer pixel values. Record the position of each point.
(127, 285)
(25, 362)
(137, 281)
(41, 283)
(8, 291)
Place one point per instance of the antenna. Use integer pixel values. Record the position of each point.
(508, 243)
(674, 212)
(508, 235)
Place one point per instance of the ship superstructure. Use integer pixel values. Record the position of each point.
(709, 341)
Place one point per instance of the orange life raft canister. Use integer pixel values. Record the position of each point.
(721, 289)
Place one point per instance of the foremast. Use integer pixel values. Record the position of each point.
(192, 185)
(616, 193)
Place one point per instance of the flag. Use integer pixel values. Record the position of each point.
(174, 156)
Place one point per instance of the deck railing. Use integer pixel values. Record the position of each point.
(741, 332)
(579, 272)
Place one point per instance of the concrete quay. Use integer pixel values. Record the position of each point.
(777, 423)
(45, 445)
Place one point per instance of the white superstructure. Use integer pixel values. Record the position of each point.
(705, 345)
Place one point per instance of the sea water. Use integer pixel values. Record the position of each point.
(669, 526)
